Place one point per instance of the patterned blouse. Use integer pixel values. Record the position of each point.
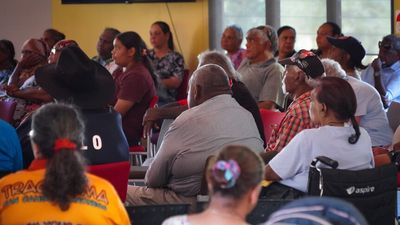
(165, 67)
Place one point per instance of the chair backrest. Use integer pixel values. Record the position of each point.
(270, 120)
(393, 115)
(153, 101)
(263, 209)
(372, 191)
(116, 173)
(155, 214)
(7, 109)
(182, 90)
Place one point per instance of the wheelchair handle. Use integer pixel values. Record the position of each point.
(325, 160)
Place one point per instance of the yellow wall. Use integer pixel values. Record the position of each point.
(84, 23)
(396, 9)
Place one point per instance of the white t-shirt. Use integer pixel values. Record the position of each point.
(177, 220)
(293, 162)
(370, 109)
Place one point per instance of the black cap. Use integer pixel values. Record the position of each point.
(306, 61)
(350, 45)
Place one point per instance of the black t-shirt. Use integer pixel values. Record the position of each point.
(242, 95)
(104, 138)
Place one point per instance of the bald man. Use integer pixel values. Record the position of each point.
(214, 119)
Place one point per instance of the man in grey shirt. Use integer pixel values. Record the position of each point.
(259, 71)
(214, 119)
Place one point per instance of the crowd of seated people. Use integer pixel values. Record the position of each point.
(333, 106)
(337, 102)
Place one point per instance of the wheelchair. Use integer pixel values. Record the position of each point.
(372, 191)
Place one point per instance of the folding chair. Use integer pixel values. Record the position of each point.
(393, 115)
(182, 89)
(116, 173)
(372, 191)
(270, 120)
(155, 214)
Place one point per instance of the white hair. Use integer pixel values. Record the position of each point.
(333, 68)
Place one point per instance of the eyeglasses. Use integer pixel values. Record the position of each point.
(386, 46)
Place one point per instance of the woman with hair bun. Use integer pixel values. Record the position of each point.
(333, 105)
(56, 188)
(234, 184)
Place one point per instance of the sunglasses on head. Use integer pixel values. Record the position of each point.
(386, 46)
(304, 54)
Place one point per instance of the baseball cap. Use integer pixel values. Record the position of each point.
(351, 45)
(306, 61)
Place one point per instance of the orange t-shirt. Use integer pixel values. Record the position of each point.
(22, 202)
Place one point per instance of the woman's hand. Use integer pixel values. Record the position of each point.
(30, 60)
(10, 89)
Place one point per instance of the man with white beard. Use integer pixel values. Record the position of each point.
(300, 72)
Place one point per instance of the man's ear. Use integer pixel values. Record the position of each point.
(197, 94)
(301, 76)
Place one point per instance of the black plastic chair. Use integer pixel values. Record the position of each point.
(372, 191)
(155, 214)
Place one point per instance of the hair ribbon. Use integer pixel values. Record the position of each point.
(231, 172)
(64, 143)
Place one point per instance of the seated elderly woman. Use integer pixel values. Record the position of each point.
(234, 183)
(34, 55)
(333, 105)
(36, 93)
(56, 187)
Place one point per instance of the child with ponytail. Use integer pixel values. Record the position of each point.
(56, 186)
(234, 184)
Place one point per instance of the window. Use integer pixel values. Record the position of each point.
(305, 16)
(368, 21)
(244, 13)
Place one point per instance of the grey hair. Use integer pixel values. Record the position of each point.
(218, 58)
(395, 40)
(268, 33)
(333, 68)
(237, 29)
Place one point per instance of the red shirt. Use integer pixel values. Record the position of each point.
(135, 85)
